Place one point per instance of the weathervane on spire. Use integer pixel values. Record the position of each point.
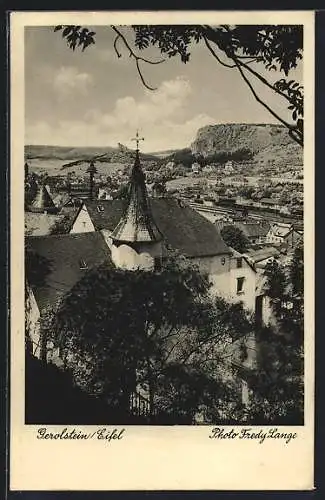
(137, 139)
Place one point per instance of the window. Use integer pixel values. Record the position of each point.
(239, 262)
(100, 208)
(223, 261)
(240, 285)
(157, 263)
(83, 264)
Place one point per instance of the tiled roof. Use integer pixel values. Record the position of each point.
(254, 230)
(269, 201)
(299, 227)
(64, 255)
(262, 254)
(137, 223)
(281, 230)
(181, 226)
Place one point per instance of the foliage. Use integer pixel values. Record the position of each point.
(159, 334)
(182, 156)
(61, 226)
(279, 384)
(51, 397)
(37, 267)
(285, 288)
(238, 47)
(235, 238)
(121, 193)
(30, 188)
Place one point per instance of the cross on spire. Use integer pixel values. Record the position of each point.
(137, 139)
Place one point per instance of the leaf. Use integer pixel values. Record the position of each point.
(66, 31)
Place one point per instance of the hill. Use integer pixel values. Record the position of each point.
(269, 143)
(77, 155)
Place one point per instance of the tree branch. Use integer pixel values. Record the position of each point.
(216, 56)
(259, 100)
(120, 36)
(238, 60)
(294, 132)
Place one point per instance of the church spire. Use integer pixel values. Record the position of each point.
(137, 224)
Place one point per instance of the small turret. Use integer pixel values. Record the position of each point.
(91, 170)
(137, 240)
(42, 201)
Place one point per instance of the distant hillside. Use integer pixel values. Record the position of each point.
(164, 154)
(79, 154)
(267, 142)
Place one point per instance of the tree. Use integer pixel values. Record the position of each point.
(121, 193)
(235, 238)
(241, 48)
(37, 269)
(61, 225)
(155, 334)
(279, 381)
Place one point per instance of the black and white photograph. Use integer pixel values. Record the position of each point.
(164, 224)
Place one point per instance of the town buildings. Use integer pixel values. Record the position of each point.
(139, 232)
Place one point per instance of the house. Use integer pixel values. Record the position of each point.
(229, 169)
(283, 234)
(259, 258)
(196, 167)
(67, 258)
(183, 229)
(270, 203)
(299, 228)
(242, 280)
(104, 194)
(81, 191)
(255, 232)
(186, 231)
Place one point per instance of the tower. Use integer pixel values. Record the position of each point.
(92, 171)
(42, 202)
(137, 240)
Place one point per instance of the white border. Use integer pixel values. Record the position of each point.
(153, 458)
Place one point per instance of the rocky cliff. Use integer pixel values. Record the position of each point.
(268, 143)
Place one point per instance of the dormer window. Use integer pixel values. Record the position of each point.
(100, 208)
(83, 264)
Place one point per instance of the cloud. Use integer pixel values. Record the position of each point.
(162, 117)
(68, 80)
(168, 101)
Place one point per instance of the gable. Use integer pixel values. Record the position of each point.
(82, 222)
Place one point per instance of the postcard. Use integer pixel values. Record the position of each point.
(162, 250)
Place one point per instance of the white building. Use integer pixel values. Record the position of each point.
(229, 167)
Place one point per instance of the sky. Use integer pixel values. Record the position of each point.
(94, 98)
